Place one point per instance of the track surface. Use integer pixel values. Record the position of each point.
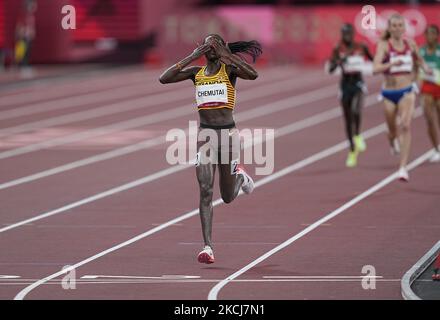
(57, 157)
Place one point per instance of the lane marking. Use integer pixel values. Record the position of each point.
(163, 277)
(308, 97)
(291, 128)
(199, 243)
(279, 174)
(194, 281)
(148, 98)
(99, 95)
(149, 143)
(76, 86)
(384, 182)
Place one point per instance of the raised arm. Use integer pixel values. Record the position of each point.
(178, 72)
(242, 69)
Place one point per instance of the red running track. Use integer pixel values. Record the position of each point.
(73, 223)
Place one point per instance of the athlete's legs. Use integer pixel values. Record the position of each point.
(346, 101)
(230, 183)
(430, 110)
(356, 109)
(406, 109)
(390, 117)
(205, 177)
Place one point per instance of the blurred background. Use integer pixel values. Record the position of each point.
(159, 32)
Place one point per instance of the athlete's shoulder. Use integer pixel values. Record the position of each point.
(195, 70)
(412, 44)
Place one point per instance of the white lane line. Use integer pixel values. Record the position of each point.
(83, 87)
(279, 174)
(250, 94)
(242, 116)
(23, 282)
(146, 100)
(163, 277)
(105, 110)
(98, 97)
(2, 277)
(232, 243)
(98, 196)
(101, 96)
(213, 294)
(291, 128)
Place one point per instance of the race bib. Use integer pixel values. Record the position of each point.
(406, 66)
(354, 64)
(212, 94)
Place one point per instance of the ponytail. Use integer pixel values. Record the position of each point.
(251, 48)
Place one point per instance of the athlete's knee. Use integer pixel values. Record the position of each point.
(405, 127)
(206, 191)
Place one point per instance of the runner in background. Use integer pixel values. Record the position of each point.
(351, 56)
(430, 88)
(398, 59)
(24, 37)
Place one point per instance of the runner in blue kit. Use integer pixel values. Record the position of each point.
(398, 59)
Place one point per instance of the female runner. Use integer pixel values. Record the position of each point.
(397, 58)
(215, 96)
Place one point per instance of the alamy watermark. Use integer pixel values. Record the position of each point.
(69, 280)
(69, 20)
(369, 278)
(246, 146)
(369, 17)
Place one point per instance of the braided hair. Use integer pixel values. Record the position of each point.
(251, 48)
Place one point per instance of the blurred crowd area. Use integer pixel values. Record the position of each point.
(159, 32)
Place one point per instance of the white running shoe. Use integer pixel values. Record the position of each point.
(403, 175)
(435, 157)
(206, 255)
(248, 184)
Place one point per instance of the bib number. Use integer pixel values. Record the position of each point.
(354, 64)
(211, 94)
(406, 66)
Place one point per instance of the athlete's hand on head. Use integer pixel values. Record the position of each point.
(220, 49)
(201, 50)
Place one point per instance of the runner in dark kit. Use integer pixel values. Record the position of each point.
(215, 96)
(350, 56)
